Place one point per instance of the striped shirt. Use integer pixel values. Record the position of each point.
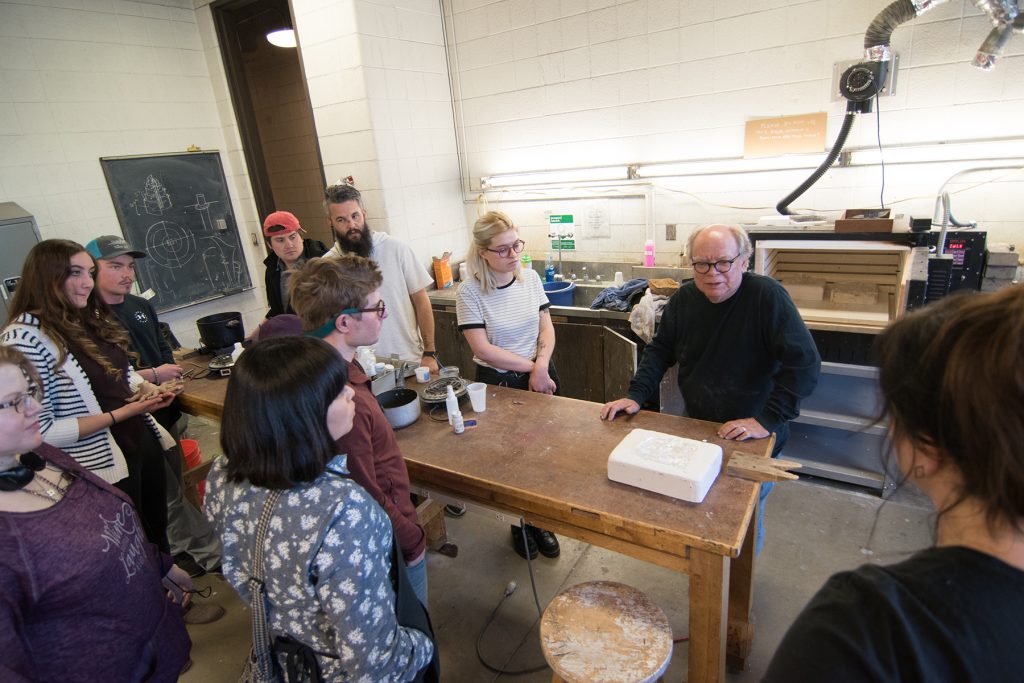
(510, 315)
(67, 396)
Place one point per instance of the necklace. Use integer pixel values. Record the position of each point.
(51, 490)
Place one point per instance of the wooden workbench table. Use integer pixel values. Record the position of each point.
(545, 458)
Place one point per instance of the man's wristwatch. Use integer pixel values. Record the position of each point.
(432, 354)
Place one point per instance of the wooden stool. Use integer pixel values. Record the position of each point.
(605, 632)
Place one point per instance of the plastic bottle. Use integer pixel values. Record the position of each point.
(458, 424)
(549, 269)
(452, 404)
(527, 262)
(649, 253)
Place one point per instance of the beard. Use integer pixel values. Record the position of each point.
(360, 246)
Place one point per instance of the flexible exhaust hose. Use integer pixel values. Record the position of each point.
(783, 206)
(885, 22)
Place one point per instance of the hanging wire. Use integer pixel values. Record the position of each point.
(881, 159)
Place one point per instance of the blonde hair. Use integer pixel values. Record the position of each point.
(486, 228)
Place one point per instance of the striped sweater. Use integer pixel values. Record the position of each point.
(67, 396)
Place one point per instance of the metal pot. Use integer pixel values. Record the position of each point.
(401, 407)
(221, 330)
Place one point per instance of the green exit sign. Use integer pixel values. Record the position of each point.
(560, 219)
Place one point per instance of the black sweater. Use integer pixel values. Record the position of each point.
(310, 249)
(138, 317)
(748, 356)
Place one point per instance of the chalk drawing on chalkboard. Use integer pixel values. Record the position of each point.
(177, 208)
(154, 198)
(169, 244)
(203, 207)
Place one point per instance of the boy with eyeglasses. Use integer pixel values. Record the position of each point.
(746, 358)
(339, 301)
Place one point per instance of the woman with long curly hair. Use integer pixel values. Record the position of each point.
(95, 406)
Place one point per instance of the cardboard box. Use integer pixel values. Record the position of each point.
(442, 271)
(865, 220)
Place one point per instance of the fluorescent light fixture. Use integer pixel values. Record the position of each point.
(284, 37)
(731, 165)
(939, 152)
(556, 177)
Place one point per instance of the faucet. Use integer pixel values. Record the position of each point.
(400, 371)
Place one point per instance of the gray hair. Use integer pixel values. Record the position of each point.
(339, 194)
(738, 234)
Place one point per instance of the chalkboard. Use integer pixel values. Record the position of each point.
(176, 208)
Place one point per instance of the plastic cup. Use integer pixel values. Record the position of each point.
(477, 396)
(449, 371)
(423, 374)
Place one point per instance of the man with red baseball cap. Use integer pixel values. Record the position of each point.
(289, 250)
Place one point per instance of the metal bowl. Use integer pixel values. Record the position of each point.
(400, 407)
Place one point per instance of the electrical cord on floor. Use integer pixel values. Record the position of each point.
(509, 590)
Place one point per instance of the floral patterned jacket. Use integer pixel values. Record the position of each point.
(327, 561)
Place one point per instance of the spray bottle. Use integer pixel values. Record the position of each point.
(451, 403)
(649, 253)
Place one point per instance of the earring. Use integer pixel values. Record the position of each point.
(919, 471)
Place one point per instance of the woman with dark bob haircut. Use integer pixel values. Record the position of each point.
(328, 550)
(952, 377)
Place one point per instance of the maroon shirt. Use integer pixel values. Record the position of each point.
(80, 590)
(377, 465)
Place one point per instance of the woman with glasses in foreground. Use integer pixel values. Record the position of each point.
(84, 596)
(952, 378)
(330, 567)
(503, 312)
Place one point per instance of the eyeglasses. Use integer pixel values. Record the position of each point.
(504, 250)
(723, 266)
(380, 309)
(19, 402)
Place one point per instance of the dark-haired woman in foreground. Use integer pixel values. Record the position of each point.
(952, 376)
(328, 555)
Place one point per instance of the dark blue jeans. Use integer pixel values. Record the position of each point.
(515, 380)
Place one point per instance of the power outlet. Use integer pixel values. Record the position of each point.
(670, 232)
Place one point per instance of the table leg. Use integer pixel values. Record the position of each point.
(709, 576)
(741, 597)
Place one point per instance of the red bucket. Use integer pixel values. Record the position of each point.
(194, 458)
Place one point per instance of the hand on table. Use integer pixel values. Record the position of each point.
(743, 429)
(541, 382)
(622, 405)
(430, 362)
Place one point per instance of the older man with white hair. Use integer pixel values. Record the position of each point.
(745, 357)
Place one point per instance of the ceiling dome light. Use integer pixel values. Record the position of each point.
(284, 37)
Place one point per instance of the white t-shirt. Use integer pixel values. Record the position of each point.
(510, 315)
(403, 276)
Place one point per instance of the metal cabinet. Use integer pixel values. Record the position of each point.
(18, 234)
(594, 362)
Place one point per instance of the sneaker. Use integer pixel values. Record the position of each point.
(545, 540)
(517, 543)
(188, 564)
(202, 614)
(455, 510)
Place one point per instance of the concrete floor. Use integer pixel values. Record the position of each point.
(814, 529)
